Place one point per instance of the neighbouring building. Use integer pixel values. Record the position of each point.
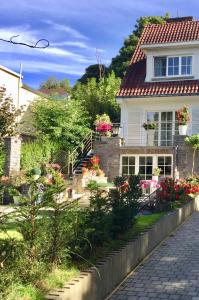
(21, 95)
(162, 77)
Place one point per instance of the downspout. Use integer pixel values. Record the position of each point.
(19, 89)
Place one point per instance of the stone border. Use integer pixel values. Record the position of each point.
(97, 283)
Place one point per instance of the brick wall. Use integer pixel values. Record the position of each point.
(13, 154)
(109, 153)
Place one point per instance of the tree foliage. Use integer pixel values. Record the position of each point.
(120, 63)
(99, 97)
(93, 71)
(64, 122)
(193, 141)
(54, 87)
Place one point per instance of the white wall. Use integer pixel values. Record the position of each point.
(133, 114)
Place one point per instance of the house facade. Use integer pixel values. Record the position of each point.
(162, 77)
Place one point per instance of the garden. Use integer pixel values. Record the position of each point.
(47, 238)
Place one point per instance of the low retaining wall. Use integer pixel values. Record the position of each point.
(97, 283)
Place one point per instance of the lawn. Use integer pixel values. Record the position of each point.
(58, 277)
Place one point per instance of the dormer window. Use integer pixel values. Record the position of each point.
(171, 66)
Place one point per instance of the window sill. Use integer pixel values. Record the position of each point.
(168, 78)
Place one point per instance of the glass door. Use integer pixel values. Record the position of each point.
(166, 127)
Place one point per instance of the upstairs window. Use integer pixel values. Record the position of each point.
(172, 66)
(160, 64)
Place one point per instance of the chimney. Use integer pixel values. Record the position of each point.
(180, 19)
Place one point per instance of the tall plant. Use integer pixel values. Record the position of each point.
(193, 141)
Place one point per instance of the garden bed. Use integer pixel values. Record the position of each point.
(59, 277)
(97, 282)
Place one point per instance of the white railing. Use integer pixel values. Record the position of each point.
(135, 135)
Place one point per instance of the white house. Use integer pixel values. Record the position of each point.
(162, 77)
(11, 80)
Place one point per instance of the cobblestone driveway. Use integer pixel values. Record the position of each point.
(172, 270)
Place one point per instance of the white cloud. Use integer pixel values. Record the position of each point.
(34, 66)
(60, 27)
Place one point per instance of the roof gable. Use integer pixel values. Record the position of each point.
(134, 84)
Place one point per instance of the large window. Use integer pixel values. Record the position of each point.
(172, 66)
(144, 165)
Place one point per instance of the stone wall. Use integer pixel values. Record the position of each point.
(13, 155)
(109, 153)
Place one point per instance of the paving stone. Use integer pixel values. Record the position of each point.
(171, 272)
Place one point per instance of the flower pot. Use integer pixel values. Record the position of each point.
(155, 177)
(183, 129)
(150, 137)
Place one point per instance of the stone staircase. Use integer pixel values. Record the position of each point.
(86, 159)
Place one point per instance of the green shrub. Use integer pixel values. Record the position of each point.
(36, 153)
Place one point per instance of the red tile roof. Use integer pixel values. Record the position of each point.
(134, 81)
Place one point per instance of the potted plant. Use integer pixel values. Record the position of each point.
(156, 173)
(150, 127)
(103, 126)
(183, 118)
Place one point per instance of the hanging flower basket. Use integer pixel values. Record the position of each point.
(183, 118)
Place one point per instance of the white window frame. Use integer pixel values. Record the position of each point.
(154, 157)
(180, 65)
(159, 122)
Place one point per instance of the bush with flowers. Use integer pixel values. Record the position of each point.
(177, 190)
(92, 167)
(103, 124)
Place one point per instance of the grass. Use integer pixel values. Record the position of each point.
(59, 276)
(55, 279)
(10, 232)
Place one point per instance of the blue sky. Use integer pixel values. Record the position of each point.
(75, 28)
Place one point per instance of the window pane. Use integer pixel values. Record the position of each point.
(149, 160)
(173, 66)
(160, 160)
(124, 170)
(142, 169)
(167, 170)
(184, 70)
(152, 116)
(186, 65)
(125, 160)
(167, 160)
(149, 170)
(160, 66)
(142, 160)
(131, 170)
(131, 160)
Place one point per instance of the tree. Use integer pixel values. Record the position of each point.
(93, 71)
(56, 89)
(99, 97)
(194, 142)
(50, 83)
(63, 122)
(8, 114)
(120, 63)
